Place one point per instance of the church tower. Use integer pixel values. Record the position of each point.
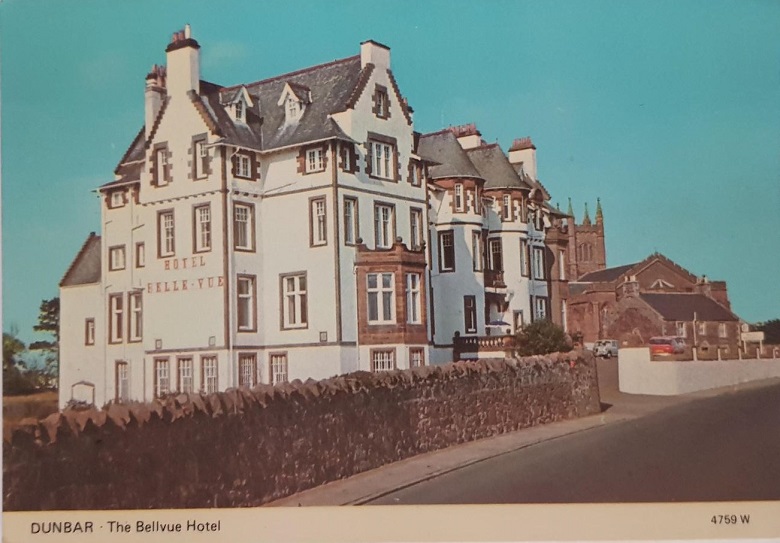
(587, 251)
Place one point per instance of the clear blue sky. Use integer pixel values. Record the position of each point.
(667, 110)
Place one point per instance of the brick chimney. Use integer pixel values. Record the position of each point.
(523, 151)
(153, 96)
(372, 52)
(183, 59)
(468, 135)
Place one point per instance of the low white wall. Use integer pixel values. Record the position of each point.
(638, 374)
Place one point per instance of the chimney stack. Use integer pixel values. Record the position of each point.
(523, 152)
(154, 95)
(372, 52)
(183, 59)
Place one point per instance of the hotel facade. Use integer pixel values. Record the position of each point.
(298, 227)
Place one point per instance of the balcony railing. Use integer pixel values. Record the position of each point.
(483, 346)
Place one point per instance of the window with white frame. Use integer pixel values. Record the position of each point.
(116, 317)
(458, 197)
(318, 222)
(209, 374)
(122, 381)
(135, 301)
(89, 332)
(383, 160)
(350, 221)
(470, 314)
(140, 255)
(116, 258)
(163, 168)
(383, 360)
(413, 305)
(506, 208)
(702, 328)
(293, 108)
(381, 298)
(315, 160)
(416, 358)
(201, 159)
(722, 330)
(476, 250)
(117, 199)
(538, 263)
(414, 174)
(383, 226)
(162, 377)
(562, 265)
(166, 234)
(246, 302)
(243, 166)
(202, 228)
(238, 110)
(681, 329)
(540, 308)
(524, 254)
(294, 301)
(495, 252)
(186, 379)
(446, 251)
(243, 225)
(278, 368)
(416, 228)
(247, 370)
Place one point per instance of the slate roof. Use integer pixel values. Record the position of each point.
(85, 268)
(443, 148)
(681, 307)
(332, 86)
(493, 166)
(606, 275)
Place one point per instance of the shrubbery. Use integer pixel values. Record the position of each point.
(542, 337)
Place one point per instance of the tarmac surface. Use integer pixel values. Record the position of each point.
(373, 486)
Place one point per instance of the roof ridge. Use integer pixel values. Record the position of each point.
(291, 74)
(438, 132)
(84, 245)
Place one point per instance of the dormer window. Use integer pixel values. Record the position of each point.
(293, 108)
(239, 111)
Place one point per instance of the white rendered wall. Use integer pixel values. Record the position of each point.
(80, 362)
(638, 374)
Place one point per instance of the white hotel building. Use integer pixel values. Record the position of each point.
(298, 227)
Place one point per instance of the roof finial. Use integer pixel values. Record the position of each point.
(586, 218)
(570, 211)
(599, 213)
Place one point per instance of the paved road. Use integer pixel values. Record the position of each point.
(724, 448)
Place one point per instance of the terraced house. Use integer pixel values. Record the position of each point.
(298, 227)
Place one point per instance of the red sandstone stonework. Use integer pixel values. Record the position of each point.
(248, 447)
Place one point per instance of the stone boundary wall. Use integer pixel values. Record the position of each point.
(638, 374)
(248, 447)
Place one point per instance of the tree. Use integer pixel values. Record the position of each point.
(771, 329)
(542, 337)
(49, 322)
(14, 379)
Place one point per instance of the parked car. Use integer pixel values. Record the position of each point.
(606, 348)
(666, 345)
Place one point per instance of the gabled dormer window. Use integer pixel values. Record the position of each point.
(238, 111)
(294, 99)
(293, 108)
